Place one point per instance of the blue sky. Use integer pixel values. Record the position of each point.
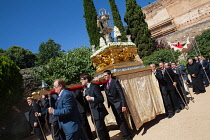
(27, 23)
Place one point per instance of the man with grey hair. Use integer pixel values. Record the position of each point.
(171, 80)
(194, 71)
(163, 89)
(66, 109)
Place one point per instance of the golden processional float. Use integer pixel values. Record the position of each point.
(139, 84)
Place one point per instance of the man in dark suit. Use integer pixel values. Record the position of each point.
(171, 80)
(205, 70)
(57, 134)
(34, 121)
(163, 89)
(66, 109)
(117, 102)
(98, 110)
(197, 81)
(183, 72)
(180, 85)
(83, 108)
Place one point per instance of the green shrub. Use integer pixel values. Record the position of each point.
(10, 84)
(163, 55)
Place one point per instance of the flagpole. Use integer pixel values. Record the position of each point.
(194, 46)
(171, 50)
(197, 47)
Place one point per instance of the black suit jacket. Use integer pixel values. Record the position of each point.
(82, 103)
(206, 65)
(115, 94)
(32, 118)
(169, 77)
(98, 109)
(159, 76)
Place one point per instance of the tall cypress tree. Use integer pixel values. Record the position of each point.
(90, 16)
(138, 28)
(117, 19)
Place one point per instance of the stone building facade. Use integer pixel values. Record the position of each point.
(175, 20)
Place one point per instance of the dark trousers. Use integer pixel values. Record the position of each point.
(56, 132)
(86, 127)
(174, 99)
(78, 135)
(208, 74)
(198, 86)
(39, 133)
(166, 100)
(182, 95)
(205, 79)
(119, 116)
(101, 129)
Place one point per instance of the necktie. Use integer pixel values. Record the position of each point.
(107, 85)
(86, 91)
(163, 71)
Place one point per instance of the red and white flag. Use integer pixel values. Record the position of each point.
(178, 46)
(175, 46)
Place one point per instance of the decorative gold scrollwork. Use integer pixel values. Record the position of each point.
(115, 55)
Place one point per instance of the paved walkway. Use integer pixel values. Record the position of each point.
(192, 124)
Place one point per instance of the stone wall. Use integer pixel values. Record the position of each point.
(191, 31)
(185, 13)
(188, 16)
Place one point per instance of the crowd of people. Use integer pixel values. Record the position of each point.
(66, 111)
(174, 82)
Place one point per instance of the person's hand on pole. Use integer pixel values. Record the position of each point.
(124, 109)
(50, 110)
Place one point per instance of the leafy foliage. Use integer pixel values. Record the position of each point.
(67, 67)
(138, 28)
(23, 58)
(47, 51)
(164, 55)
(202, 45)
(2, 52)
(117, 19)
(90, 16)
(10, 84)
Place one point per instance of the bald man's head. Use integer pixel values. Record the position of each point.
(190, 61)
(166, 65)
(153, 67)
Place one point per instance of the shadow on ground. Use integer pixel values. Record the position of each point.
(145, 127)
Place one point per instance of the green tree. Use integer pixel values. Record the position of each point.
(90, 16)
(138, 28)
(47, 51)
(68, 67)
(163, 55)
(10, 84)
(117, 19)
(202, 45)
(23, 58)
(2, 52)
